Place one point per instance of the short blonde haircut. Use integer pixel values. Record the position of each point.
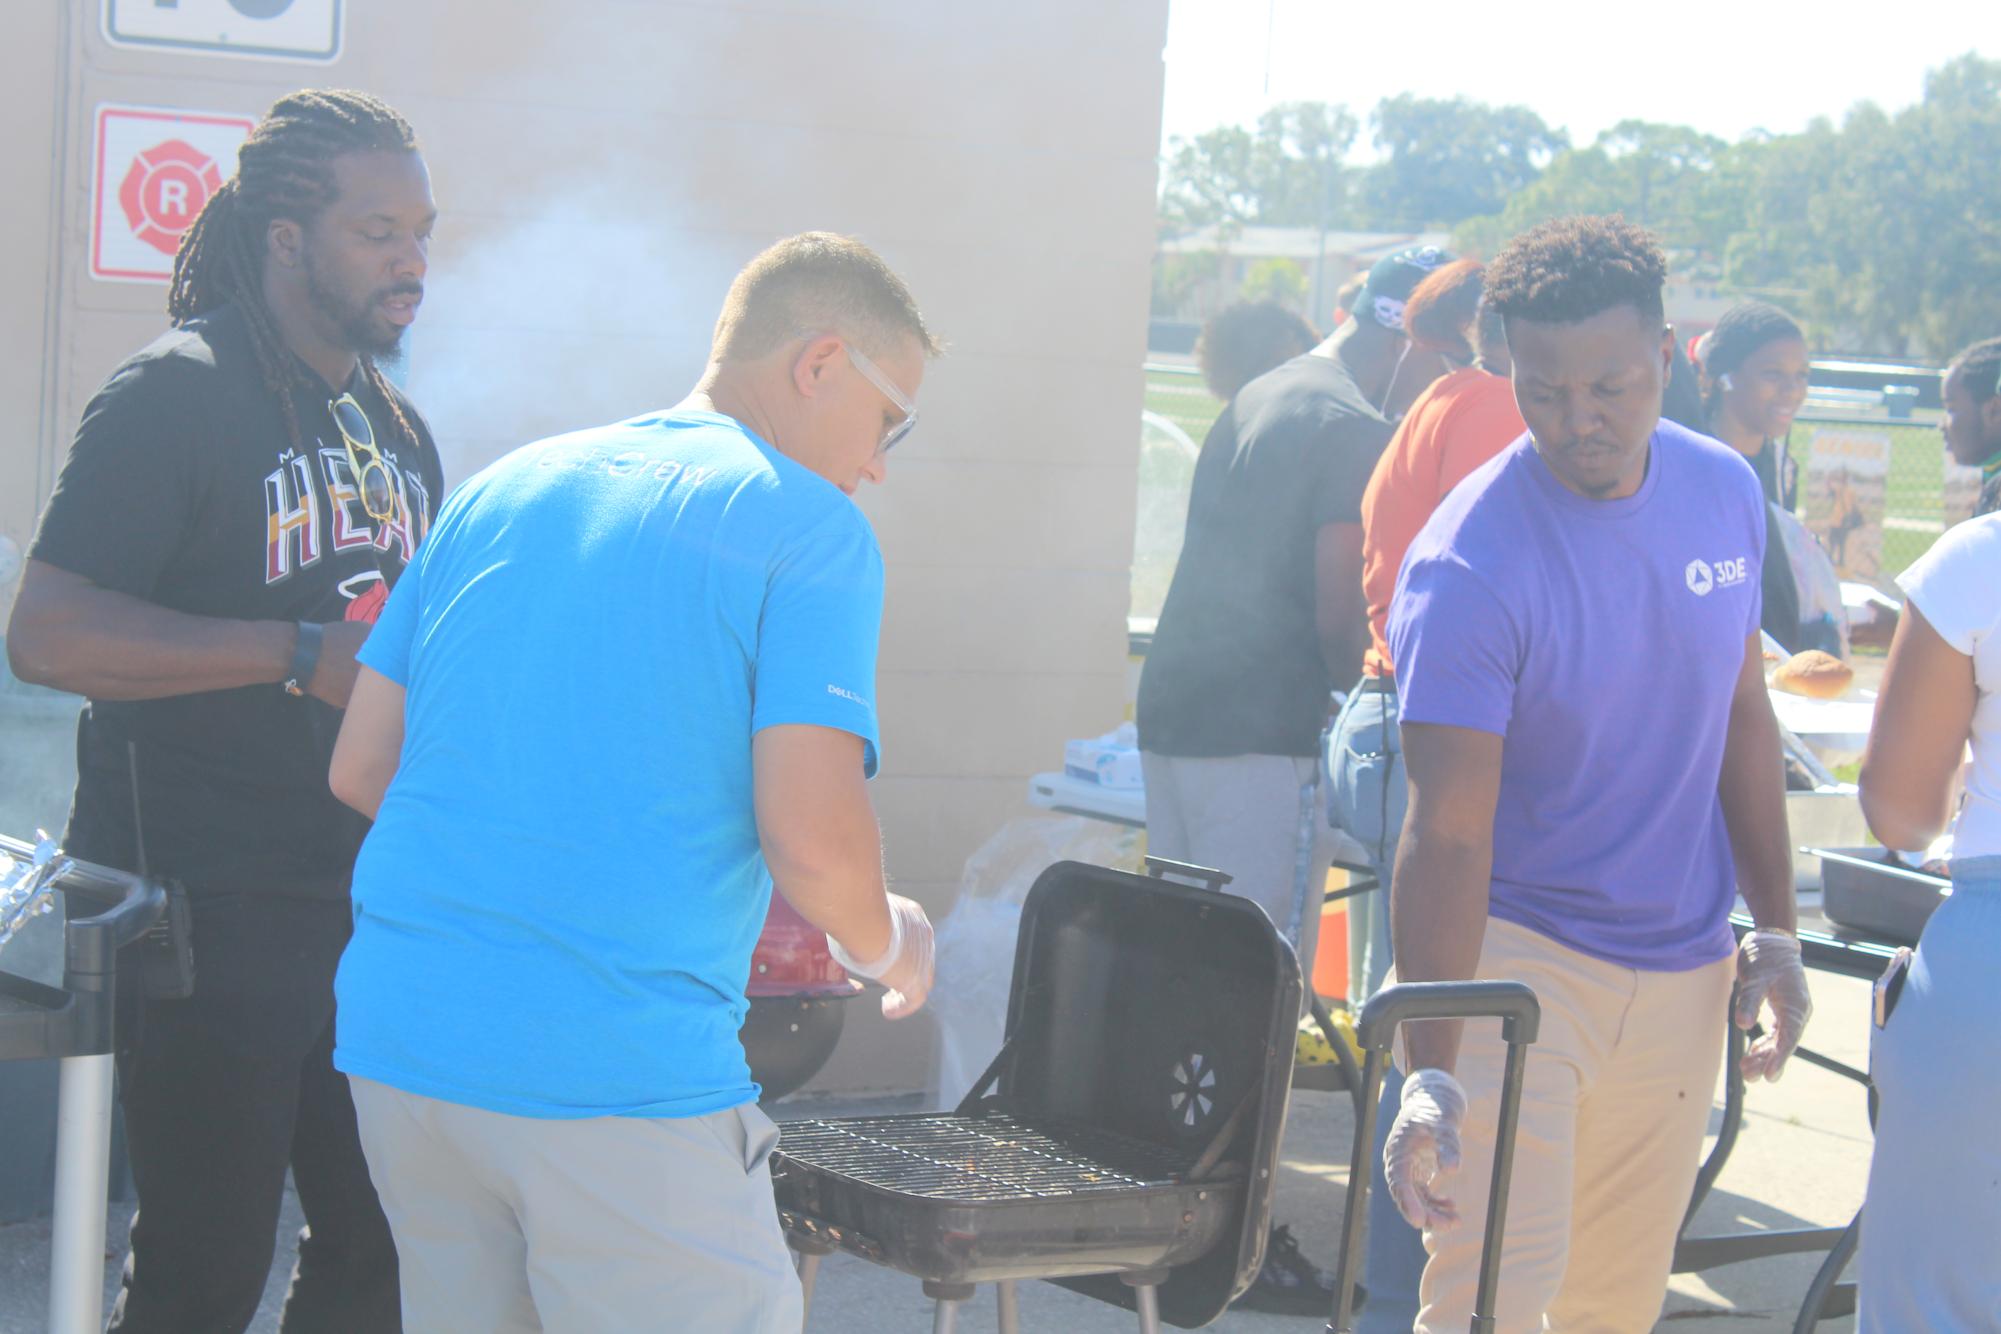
(817, 282)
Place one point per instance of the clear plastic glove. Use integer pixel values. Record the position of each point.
(906, 967)
(1771, 974)
(1423, 1149)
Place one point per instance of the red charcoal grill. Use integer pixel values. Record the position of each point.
(798, 1002)
(1124, 1141)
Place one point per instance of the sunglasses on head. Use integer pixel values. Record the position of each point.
(378, 491)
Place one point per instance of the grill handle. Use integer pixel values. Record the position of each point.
(1211, 879)
(815, 1236)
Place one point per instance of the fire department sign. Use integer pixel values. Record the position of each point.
(155, 170)
(260, 29)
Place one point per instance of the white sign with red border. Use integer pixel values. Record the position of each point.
(155, 170)
(260, 29)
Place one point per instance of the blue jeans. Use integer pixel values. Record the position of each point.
(1933, 1213)
(1367, 798)
(1396, 1256)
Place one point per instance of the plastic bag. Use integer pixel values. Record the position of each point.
(975, 941)
(1823, 618)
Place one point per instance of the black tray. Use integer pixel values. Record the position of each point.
(1863, 892)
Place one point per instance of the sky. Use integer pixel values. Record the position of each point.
(1723, 66)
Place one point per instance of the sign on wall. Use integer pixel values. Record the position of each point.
(1847, 476)
(261, 29)
(155, 170)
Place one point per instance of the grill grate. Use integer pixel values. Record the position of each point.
(984, 1159)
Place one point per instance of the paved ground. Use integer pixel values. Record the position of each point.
(1802, 1160)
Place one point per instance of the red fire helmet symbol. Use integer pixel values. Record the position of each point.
(165, 190)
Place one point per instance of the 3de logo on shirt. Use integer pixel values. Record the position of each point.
(1702, 576)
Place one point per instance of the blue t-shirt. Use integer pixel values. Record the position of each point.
(555, 911)
(1602, 640)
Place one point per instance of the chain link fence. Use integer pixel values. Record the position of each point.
(1875, 489)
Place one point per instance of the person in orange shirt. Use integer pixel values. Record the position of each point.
(1458, 423)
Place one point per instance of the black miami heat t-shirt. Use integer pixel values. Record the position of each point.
(186, 488)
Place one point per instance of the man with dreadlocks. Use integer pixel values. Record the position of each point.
(237, 497)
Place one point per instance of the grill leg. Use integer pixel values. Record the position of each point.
(809, 1272)
(1149, 1308)
(1010, 1309)
(950, 1297)
(83, 1164)
(1145, 1284)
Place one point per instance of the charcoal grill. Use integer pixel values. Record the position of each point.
(1124, 1141)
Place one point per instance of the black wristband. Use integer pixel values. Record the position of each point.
(305, 657)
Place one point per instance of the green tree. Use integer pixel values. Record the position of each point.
(1889, 229)
(1299, 157)
(1882, 231)
(1447, 160)
(1210, 181)
(1654, 174)
(1661, 170)
(1277, 279)
(1289, 172)
(1177, 278)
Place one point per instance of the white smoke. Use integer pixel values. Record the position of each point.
(577, 315)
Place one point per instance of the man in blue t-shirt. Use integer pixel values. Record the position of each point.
(626, 686)
(1594, 775)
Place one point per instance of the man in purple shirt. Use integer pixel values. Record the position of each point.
(1594, 775)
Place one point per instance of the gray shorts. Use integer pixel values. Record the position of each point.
(1247, 815)
(517, 1225)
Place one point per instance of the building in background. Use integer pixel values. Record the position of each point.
(603, 168)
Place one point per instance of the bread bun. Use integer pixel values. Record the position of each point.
(1815, 674)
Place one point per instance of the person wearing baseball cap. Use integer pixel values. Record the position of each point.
(1263, 620)
(1386, 290)
(1390, 282)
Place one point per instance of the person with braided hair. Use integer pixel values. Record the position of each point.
(1753, 372)
(1972, 422)
(236, 501)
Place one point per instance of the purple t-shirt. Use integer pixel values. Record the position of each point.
(1602, 639)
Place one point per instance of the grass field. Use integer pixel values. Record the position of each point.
(1913, 502)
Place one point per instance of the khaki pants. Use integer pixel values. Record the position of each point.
(608, 1225)
(1614, 1108)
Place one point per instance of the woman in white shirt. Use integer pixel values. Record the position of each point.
(1931, 1229)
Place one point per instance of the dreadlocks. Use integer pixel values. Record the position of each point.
(284, 170)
